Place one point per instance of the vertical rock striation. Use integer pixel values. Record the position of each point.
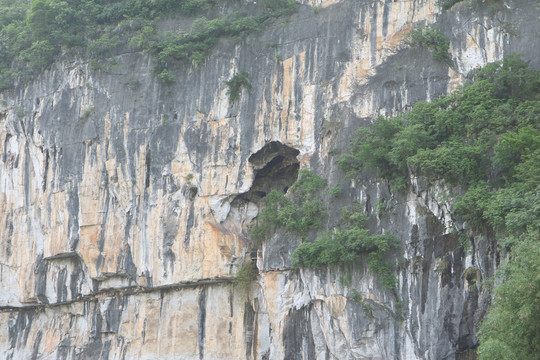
(125, 211)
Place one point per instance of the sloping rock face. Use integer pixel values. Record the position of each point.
(125, 210)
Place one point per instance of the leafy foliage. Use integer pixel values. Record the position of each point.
(33, 33)
(304, 212)
(447, 4)
(366, 307)
(432, 39)
(456, 137)
(246, 275)
(236, 83)
(195, 45)
(165, 76)
(511, 329)
(281, 7)
(299, 215)
(484, 139)
(349, 242)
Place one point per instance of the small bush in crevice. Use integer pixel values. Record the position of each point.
(20, 112)
(366, 307)
(165, 76)
(239, 81)
(382, 207)
(346, 279)
(472, 275)
(86, 113)
(246, 275)
(335, 192)
(399, 310)
(132, 83)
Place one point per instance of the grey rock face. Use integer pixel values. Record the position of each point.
(125, 211)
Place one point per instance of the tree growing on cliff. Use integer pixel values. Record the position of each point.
(483, 139)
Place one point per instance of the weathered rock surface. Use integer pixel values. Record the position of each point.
(125, 210)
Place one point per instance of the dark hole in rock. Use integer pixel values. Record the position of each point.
(189, 191)
(259, 194)
(276, 168)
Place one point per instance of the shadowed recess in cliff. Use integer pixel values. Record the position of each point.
(276, 168)
(297, 334)
(250, 332)
(19, 328)
(201, 322)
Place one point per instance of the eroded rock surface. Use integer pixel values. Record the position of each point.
(125, 211)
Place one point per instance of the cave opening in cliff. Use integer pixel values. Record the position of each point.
(276, 168)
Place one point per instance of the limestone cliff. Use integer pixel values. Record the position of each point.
(125, 210)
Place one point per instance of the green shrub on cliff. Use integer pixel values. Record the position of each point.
(246, 275)
(303, 213)
(447, 4)
(432, 39)
(239, 81)
(348, 242)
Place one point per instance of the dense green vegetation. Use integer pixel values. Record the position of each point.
(511, 330)
(303, 213)
(33, 33)
(485, 140)
(349, 242)
(298, 215)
